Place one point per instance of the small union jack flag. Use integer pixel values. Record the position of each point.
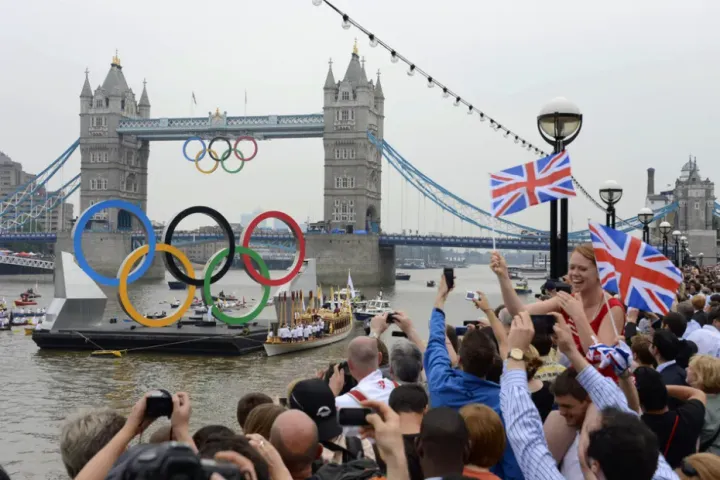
(636, 271)
(520, 187)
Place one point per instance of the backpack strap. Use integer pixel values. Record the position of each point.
(672, 435)
(355, 448)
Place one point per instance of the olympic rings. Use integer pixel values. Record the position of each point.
(167, 239)
(87, 216)
(128, 307)
(197, 164)
(299, 255)
(207, 295)
(231, 148)
(125, 278)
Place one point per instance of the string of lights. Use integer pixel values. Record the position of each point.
(447, 92)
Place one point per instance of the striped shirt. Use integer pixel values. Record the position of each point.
(525, 430)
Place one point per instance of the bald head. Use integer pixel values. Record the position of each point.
(363, 357)
(295, 437)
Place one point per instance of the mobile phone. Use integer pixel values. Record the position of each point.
(471, 322)
(449, 277)
(543, 324)
(390, 318)
(353, 417)
(398, 333)
(460, 331)
(563, 287)
(283, 401)
(471, 296)
(158, 404)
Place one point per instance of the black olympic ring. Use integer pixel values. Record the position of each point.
(167, 238)
(225, 155)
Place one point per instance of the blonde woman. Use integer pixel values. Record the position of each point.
(703, 373)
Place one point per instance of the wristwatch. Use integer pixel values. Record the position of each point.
(373, 334)
(517, 354)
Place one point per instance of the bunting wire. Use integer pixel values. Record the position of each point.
(395, 56)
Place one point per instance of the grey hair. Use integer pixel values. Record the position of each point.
(406, 361)
(505, 317)
(84, 434)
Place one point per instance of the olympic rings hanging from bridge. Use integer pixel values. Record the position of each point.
(125, 277)
(220, 159)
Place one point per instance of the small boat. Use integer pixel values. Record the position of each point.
(372, 308)
(157, 315)
(175, 303)
(431, 283)
(275, 347)
(402, 276)
(30, 293)
(174, 285)
(24, 303)
(522, 287)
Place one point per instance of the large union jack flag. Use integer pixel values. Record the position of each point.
(520, 187)
(636, 271)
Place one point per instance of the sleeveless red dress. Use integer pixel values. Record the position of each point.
(595, 326)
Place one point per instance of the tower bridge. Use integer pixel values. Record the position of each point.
(116, 130)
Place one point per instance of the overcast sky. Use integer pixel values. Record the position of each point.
(643, 72)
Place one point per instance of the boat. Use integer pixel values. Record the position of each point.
(24, 302)
(402, 276)
(175, 285)
(76, 321)
(431, 283)
(175, 303)
(275, 346)
(30, 293)
(373, 308)
(522, 287)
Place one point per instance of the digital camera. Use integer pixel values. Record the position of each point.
(169, 461)
(350, 382)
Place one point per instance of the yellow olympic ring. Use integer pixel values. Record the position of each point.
(197, 163)
(124, 271)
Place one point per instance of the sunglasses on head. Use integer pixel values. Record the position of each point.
(688, 469)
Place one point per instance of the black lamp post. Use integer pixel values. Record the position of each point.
(611, 192)
(676, 236)
(665, 228)
(559, 123)
(645, 216)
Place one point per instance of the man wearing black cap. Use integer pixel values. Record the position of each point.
(315, 398)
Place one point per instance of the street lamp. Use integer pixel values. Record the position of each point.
(665, 228)
(559, 123)
(611, 192)
(676, 236)
(645, 216)
(700, 258)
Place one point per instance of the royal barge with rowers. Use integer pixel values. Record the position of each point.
(75, 321)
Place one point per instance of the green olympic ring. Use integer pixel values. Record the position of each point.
(212, 263)
(242, 163)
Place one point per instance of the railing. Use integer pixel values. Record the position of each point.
(27, 262)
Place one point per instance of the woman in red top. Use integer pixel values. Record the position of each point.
(586, 310)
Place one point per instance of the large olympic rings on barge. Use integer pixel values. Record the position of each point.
(220, 159)
(125, 276)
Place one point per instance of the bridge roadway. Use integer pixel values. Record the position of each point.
(183, 238)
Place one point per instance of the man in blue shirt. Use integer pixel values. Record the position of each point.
(454, 388)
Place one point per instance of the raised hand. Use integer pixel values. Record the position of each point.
(498, 265)
(571, 305)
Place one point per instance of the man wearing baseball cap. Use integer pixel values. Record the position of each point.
(315, 399)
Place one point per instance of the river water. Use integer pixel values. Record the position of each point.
(40, 388)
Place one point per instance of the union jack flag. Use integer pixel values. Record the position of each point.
(520, 187)
(636, 271)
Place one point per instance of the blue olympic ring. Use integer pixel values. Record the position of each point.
(204, 149)
(77, 241)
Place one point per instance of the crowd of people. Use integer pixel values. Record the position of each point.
(574, 386)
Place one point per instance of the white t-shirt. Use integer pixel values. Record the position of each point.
(373, 387)
(571, 468)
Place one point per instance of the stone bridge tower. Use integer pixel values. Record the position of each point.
(112, 166)
(696, 200)
(353, 175)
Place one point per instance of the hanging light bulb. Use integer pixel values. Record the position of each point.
(346, 22)
(516, 139)
(507, 132)
(373, 41)
(393, 57)
(470, 110)
(411, 71)
(457, 102)
(445, 93)
(482, 117)
(317, 3)
(430, 82)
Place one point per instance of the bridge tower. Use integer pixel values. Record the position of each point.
(696, 200)
(112, 166)
(353, 175)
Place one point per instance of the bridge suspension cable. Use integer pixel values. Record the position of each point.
(16, 198)
(450, 93)
(466, 212)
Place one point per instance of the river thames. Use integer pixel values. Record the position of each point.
(40, 388)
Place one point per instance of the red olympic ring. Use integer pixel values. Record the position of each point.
(299, 256)
(235, 150)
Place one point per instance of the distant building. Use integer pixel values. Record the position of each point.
(12, 177)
